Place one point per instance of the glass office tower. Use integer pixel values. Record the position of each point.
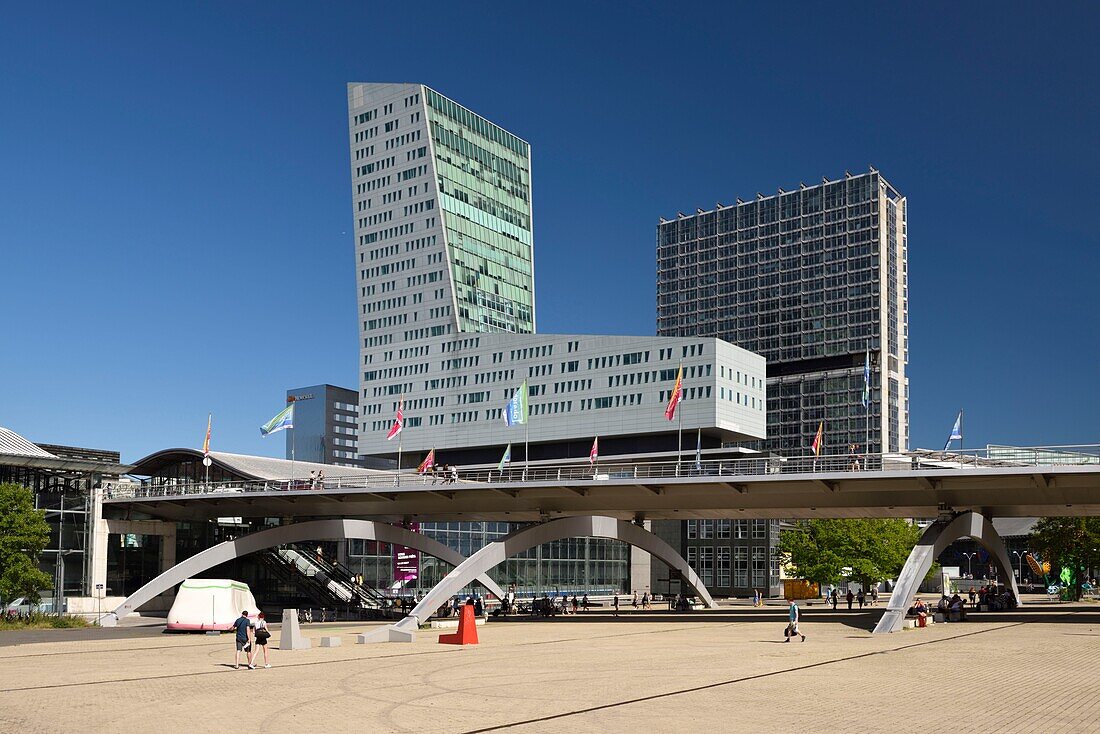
(814, 280)
(444, 248)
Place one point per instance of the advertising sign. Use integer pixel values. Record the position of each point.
(406, 561)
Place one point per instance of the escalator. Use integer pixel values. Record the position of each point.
(329, 584)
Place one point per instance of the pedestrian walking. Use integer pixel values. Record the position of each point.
(793, 615)
(874, 595)
(584, 603)
(243, 639)
(973, 597)
(616, 612)
(261, 635)
(313, 480)
(575, 604)
(454, 473)
(321, 479)
(850, 597)
(861, 597)
(634, 601)
(645, 600)
(834, 596)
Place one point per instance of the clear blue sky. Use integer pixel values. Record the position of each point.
(175, 216)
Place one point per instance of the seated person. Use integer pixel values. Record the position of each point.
(918, 609)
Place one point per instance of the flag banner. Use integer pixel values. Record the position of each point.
(516, 411)
(285, 419)
(427, 464)
(398, 420)
(699, 449)
(867, 378)
(594, 453)
(956, 431)
(819, 439)
(506, 458)
(677, 394)
(206, 443)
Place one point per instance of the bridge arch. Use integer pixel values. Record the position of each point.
(932, 543)
(524, 539)
(335, 529)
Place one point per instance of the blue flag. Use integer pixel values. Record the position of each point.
(285, 419)
(956, 431)
(867, 378)
(516, 410)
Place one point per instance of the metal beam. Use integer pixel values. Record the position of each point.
(655, 490)
(741, 488)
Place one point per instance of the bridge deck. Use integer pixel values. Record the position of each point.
(1012, 491)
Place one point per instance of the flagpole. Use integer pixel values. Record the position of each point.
(867, 410)
(679, 436)
(526, 447)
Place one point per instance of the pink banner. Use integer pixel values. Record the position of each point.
(406, 561)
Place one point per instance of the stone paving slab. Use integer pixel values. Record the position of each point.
(703, 672)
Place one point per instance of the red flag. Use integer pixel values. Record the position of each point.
(819, 439)
(427, 464)
(595, 452)
(677, 395)
(398, 421)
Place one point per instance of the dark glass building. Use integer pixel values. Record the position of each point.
(814, 280)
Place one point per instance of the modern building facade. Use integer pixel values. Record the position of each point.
(446, 305)
(325, 430)
(62, 480)
(814, 280)
(445, 287)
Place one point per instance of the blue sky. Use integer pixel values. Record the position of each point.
(175, 216)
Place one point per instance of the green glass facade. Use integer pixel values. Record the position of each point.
(484, 178)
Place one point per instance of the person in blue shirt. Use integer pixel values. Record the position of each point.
(243, 626)
(792, 627)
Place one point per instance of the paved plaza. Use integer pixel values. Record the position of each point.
(727, 670)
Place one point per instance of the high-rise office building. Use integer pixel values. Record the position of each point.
(814, 280)
(325, 425)
(445, 295)
(446, 307)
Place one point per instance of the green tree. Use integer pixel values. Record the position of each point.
(867, 551)
(24, 532)
(1069, 543)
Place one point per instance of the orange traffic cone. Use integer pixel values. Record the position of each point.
(467, 629)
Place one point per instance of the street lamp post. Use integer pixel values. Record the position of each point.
(1020, 561)
(969, 559)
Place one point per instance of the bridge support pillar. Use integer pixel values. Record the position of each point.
(335, 529)
(932, 543)
(494, 553)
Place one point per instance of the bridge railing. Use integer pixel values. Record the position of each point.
(440, 480)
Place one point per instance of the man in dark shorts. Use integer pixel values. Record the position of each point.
(243, 626)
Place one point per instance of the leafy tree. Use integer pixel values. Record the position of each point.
(24, 532)
(1071, 543)
(867, 551)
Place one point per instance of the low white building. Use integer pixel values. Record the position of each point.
(455, 392)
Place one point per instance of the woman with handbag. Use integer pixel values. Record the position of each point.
(262, 635)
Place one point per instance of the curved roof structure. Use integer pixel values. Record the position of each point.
(243, 466)
(18, 451)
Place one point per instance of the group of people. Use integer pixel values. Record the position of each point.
(317, 479)
(448, 473)
(251, 637)
(861, 597)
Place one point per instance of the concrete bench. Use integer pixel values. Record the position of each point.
(330, 642)
(452, 623)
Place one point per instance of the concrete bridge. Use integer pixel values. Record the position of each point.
(962, 491)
